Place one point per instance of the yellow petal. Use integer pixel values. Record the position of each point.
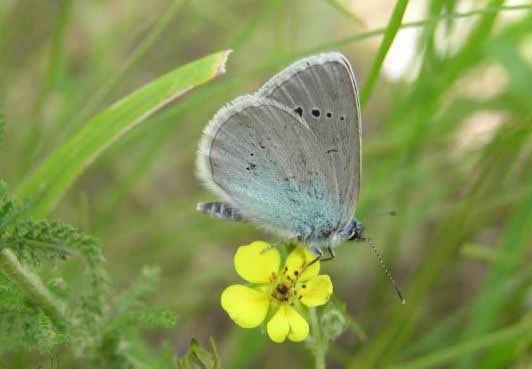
(316, 291)
(257, 262)
(298, 261)
(298, 325)
(278, 327)
(287, 323)
(246, 306)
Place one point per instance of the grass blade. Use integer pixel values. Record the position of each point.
(490, 304)
(431, 21)
(50, 181)
(156, 31)
(452, 231)
(391, 31)
(344, 9)
(437, 359)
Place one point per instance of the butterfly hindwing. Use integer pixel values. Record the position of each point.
(265, 161)
(322, 90)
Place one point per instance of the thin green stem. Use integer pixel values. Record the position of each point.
(440, 358)
(32, 286)
(391, 31)
(55, 62)
(343, 8)
(357, 329)
(416, 24)
(317, 349)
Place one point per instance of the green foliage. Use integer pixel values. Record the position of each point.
(24, 326)
(199, 358)
(447, 147)
(87, 317)
(326, 325)
(52, 179)
(389, 35)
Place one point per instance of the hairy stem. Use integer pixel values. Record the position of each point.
(318, 351)
(32, 286)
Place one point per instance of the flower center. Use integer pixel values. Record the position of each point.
(282, 289)
(285, 290)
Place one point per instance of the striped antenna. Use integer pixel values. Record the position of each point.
(385, 268)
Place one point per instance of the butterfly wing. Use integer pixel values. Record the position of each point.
(264, 160)
(322, 90)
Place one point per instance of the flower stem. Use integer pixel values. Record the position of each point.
(318, 347)
(32, 286)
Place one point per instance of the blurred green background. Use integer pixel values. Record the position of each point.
(447, 145)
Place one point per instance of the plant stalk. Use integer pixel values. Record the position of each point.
(317, 349)
(32, 286)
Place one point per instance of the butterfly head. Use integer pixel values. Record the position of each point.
(356, 231)
(353, 231)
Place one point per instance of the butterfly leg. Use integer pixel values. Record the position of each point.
(319, 254)
(331, 256)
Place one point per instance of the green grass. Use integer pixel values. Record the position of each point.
(389, 35)
(47, 185)
(460, 245)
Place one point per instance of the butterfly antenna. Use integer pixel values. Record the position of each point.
(385, 269)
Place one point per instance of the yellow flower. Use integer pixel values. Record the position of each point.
(277, 291)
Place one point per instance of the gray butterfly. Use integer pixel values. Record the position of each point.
(288, 156)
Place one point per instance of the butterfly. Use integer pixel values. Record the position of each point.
(288, 157)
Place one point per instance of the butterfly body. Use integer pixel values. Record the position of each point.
(288, 157)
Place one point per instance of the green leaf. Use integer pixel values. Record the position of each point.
(199, 358)
(51, 180)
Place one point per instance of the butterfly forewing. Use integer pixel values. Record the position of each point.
(262, 158)
(322, 91)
